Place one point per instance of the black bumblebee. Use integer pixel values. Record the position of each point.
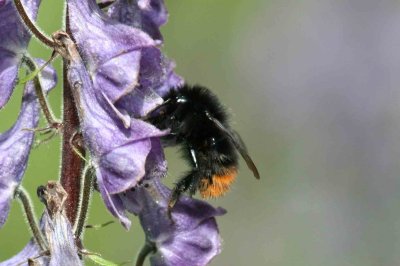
(199, 123)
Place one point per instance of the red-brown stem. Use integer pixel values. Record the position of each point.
(72, 165)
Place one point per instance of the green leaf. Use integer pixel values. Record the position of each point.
(98, 226)
(29, 77)
(33, 74)
(100, 261)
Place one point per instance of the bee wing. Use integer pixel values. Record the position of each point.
(243, 151)
(239, 144)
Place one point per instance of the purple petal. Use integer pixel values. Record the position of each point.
(156, 167)
(111, 50)
(61, 241)
(15, 143)
(155, 10)
(123, 61)
(145, 15)
(157, 72)
(193, 238)
(8, 75)
(14, 39)
(156, 79)
(190, 247)
(48, 76)
(118, 153)
(113, 202)
(118, 166)
(139, 102)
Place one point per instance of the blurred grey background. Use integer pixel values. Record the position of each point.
(314, 89)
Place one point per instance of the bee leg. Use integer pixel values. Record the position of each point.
(188, 182)
(194, 176)
(177, 191)
(195, 183)
(175, 195)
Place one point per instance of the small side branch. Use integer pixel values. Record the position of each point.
(26, 203)
(51, 120)
(85, 197)
(31, 26)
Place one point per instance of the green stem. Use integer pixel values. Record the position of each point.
(26, 204)
(31, 26)
(51, 120)
(85, 197)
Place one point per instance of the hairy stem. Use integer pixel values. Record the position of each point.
(71, 164)
(26, 203)
(31, 26)
(86, 193)
(51, 120)
(144, 252)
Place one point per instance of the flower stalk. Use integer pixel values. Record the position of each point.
(44, 104)
(26, 204)
(85, 197)
(31, 26)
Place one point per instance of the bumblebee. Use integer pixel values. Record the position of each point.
(199, 124)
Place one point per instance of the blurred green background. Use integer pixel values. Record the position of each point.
(313, 88)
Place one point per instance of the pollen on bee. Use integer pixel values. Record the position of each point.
(219, 185)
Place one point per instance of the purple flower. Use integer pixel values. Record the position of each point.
(126, 70)
(123, 60)
(118, 153)
(191, 239)
(13, 44)
(57, 231)
(111, 50)
(15, 143)
(157, 77)
(155, 164)
(156, 70)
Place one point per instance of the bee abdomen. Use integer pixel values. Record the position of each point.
(218, 185)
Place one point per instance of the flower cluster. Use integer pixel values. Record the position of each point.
(117, 74)
(16, 143)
